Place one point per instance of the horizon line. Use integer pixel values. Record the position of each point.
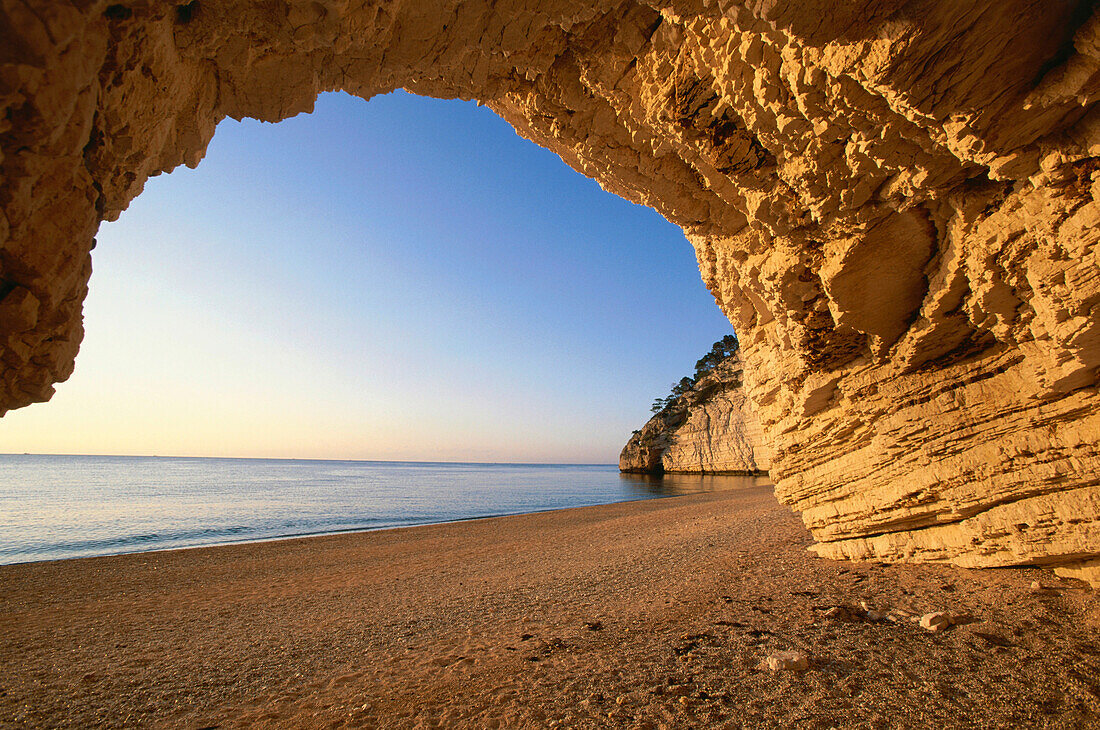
(295, 458)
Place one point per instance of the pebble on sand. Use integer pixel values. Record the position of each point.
(794, 661)
(842, 613)
(934, 622)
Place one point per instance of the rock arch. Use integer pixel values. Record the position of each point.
(892, 200)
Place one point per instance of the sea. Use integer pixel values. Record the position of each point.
(60, 507)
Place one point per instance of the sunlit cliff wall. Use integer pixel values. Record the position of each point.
(710, 429)
(893, 201)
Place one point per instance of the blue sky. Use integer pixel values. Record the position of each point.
(404, 278)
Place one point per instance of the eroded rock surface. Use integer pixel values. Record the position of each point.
(894, 201)
(710, 429)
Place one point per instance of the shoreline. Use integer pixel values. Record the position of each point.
(353, 530)
(646, 613)
(371, 500)
(758, 473)
(350, 531)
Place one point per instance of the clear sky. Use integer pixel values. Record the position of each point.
(404, 278)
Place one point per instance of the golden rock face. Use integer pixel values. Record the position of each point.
(711, 430)
(893, 201)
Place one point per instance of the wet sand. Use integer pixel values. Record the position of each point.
(640, 615)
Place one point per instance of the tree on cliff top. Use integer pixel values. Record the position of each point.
(719, 351)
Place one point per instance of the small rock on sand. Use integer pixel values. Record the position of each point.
(842, 613)
(794, 661)
(934, 622)
(853, 614)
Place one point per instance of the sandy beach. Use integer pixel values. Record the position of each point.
(644, 614)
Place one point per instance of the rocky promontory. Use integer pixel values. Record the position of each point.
(709, 428)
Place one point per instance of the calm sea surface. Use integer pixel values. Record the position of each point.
(54, 507)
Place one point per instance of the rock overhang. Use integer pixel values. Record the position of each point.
(893, 202)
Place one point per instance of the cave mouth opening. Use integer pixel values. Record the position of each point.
(404, 278)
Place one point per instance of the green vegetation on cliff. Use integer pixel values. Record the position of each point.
(719, 351)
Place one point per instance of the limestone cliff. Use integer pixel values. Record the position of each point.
(710, 429)
(894, 201)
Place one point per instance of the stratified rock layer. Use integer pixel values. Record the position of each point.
(710, 429)
(894, 201)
